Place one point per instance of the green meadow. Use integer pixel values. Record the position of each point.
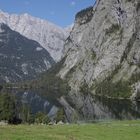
(114, 130)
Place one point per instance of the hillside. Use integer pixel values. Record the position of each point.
(99, 74)
(21, 58)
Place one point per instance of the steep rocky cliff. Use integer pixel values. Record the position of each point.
(102, 57)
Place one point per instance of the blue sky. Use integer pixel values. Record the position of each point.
(60, 12)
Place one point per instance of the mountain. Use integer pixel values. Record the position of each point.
(102, 59)
(50, 36)
(99, 74)
(20, 57)
(68, 29)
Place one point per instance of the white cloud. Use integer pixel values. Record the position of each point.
(73, 3)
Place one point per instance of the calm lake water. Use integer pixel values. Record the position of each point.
(103, 108)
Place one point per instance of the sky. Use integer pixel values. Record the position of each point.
(60, 12)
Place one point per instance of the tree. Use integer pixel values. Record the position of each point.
(60, 115)
(25, 111)
(7, 108)
(1, 87)
(31, 119)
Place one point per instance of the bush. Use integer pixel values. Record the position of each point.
(41, 118)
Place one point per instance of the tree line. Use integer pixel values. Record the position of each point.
(13, 112)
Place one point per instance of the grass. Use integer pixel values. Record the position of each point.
(116, 130)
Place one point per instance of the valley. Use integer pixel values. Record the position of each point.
(87, 72)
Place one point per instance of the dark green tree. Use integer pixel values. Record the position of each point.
(1, 87)
(60, 115)
(25, 111)
(7, 108)
(31, 119)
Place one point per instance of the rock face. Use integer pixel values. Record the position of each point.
(50, 36)
(103, 55)
(21, 58)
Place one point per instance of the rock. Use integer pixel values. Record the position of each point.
(136, 93)
(3, 123)
(49, 35)
(103, 52)
(21, 58)
(60, 123)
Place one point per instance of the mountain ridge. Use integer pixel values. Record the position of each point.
(49, 35)
(100, 68)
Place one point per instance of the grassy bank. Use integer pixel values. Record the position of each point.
(116, 130)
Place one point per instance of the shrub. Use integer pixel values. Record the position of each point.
(41, 118)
